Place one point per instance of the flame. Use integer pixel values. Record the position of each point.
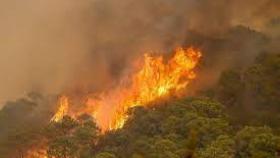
(155, 79)
(63, 106)
(37, 153)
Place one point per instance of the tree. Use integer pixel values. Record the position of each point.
(262, 79)
(164, 148)
(72, 138)
(105, 155)
(257, 142)
(192, 127)
(85, 136)
(62, 147)
(222, 147)
(20, 124)
(175, 130)
(230, 87)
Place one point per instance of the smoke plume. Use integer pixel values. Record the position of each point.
(55, 46)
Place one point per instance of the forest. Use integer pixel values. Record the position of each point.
(229, 106)
(236, 117)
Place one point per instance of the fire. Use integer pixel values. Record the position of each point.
(155, 79)
(38, 153)
(62, 109)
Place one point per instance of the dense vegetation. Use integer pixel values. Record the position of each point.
(193, 127)
(21, 123)
(252, 95)
(237, 117)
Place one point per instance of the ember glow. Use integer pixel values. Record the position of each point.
(37, 153)
(155, 79)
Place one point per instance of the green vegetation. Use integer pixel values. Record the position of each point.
(252, 95)
(21, 123)
(193, 127)
(202, 127)
(237, 118)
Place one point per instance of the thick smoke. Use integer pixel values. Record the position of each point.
(42, 44)
(55, 46)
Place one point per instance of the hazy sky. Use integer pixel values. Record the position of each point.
(51, 45)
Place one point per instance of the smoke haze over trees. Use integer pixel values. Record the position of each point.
(46, 43)
(77, 47)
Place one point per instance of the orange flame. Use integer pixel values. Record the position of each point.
(62, 109)
(37, 153)
(155, 79)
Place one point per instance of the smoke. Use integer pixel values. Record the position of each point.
(42, 44)
(56, 46)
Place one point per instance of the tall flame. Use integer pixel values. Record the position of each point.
(62, 108)
(155, 79)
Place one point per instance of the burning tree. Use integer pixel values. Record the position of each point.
(154, 79)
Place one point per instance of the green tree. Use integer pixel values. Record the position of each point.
(72, 138)
(85, 136)
(258, 142)
(164, 148)
(262, 79)
(174, 130)
(222, 147)
(230, 88)
(62, 147)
